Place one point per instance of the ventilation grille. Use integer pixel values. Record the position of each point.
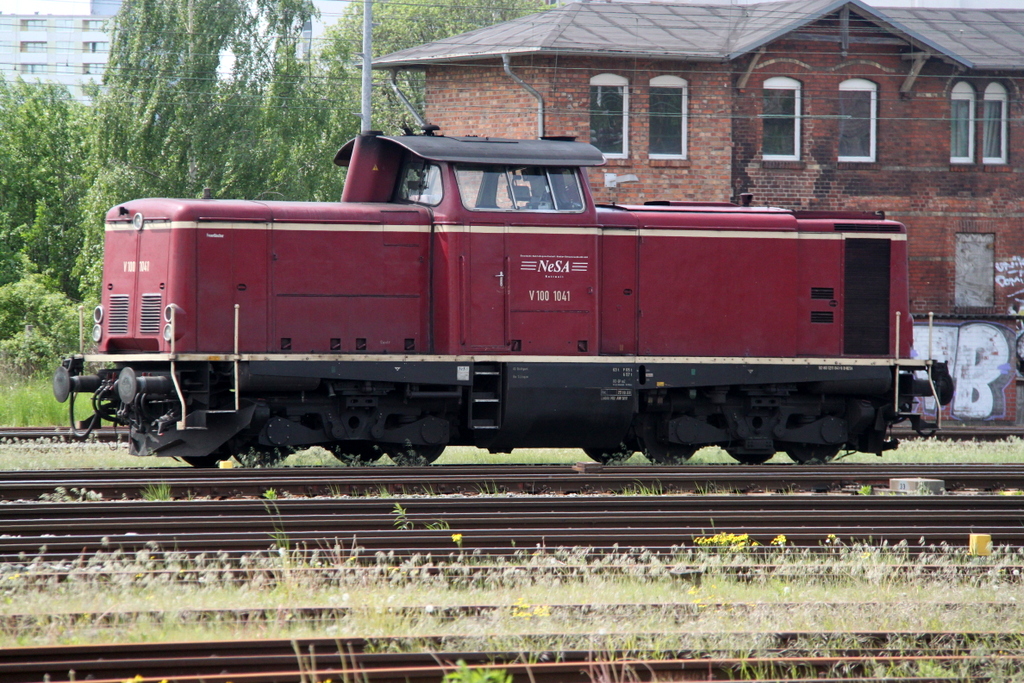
(826, 293)
(865, 227)
(866, 297)
(118, 320)
(152, 305)
(822, 316)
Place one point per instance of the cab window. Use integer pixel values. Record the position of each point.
(519, 188)
(420, 183)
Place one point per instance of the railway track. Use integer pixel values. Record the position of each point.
(790, 656)
(589, 478)
(495, 526)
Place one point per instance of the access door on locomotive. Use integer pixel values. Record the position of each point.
(532, 282)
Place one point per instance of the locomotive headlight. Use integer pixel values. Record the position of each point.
(174, 315)
(97, 333)
(138, 221)
(172, 310)
(97, 314)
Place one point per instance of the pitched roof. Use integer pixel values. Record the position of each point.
(974, 38)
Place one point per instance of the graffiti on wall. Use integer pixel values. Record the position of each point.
(982, 358)
(1010, 278)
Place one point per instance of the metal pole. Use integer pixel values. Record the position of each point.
(931, 326)
(81, 328)
(183, 422)
(367, 64)
(896, 385)
(237, 399)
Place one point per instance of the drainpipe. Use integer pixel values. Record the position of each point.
(405, 100)
(530, 89)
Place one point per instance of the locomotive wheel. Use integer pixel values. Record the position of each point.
(413, 456)
(750, 458)
(607, 456)
(663, 452)
(355, 453)
(812, 454)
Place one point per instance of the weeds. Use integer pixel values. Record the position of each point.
(156, 492)
(488, 488)
(71, 495)
(258, 457)
(401, 519)
(30, 403)
(729, 541)
(638, 488)
(466, 675)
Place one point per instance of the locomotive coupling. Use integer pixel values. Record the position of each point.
(130, 385)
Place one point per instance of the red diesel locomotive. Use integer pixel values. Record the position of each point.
(468, 291)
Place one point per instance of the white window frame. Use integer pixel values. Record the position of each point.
(623, 82)
(33, 46)
(963, 91)
(683, 86)
(864, 85)
(995, 92)
(33, 24)
(784, 83)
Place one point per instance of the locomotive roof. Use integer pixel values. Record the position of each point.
(480, 150)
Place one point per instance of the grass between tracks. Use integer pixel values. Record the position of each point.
(834, 589)
(45, 454)
(840, 589)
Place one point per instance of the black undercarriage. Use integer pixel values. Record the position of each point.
(361, 410)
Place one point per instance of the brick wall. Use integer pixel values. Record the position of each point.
(480, 99)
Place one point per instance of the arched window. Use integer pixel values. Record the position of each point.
(667, 110)
(858, 119)
(993, 149)
(609, 115)
(781, 119)
(961, 124)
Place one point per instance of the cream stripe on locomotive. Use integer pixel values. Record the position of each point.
(834, 364)
(502, 229)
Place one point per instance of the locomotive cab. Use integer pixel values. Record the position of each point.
(469, 291)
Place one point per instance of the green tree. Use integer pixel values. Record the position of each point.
(37, 325)
(44, 157)
(217, 94)
(402, 24)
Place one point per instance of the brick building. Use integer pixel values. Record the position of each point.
(811, 104)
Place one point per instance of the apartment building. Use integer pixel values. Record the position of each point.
(67, 49)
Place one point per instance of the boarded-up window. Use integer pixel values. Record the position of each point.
(975, 269)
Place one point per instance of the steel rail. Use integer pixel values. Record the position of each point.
(190, 483)
(500, 526)
(349, 659)
(584, 667)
